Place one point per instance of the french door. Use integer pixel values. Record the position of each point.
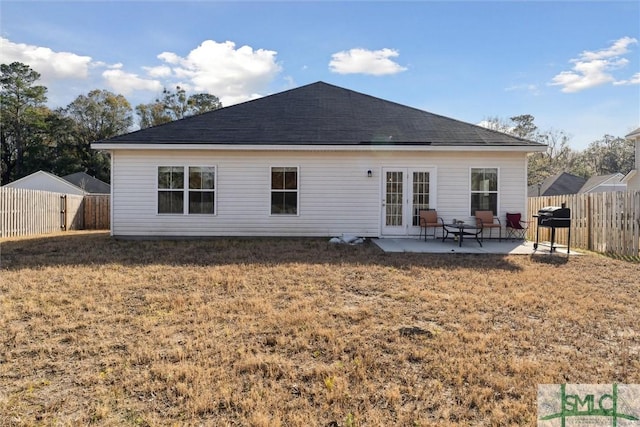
(404, 192)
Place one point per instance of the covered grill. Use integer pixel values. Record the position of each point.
(553, 217)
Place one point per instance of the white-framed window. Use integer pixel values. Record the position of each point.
(186, 190)
(284, 190)
(484, 190)
(170, 189)
(202, 191)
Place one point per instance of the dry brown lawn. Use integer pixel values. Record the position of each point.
(299, 332)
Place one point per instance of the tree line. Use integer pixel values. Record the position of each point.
(34, 137)
(605, 156)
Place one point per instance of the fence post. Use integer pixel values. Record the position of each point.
(63, 212)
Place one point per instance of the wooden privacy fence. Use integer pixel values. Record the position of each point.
(29, 212)
(601, 222)
(97, 211)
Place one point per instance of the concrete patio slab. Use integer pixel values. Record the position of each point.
(470, 246)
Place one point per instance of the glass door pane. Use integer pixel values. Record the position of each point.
(394, 198)
(420, 195)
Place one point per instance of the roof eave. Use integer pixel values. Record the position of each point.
(409, 147)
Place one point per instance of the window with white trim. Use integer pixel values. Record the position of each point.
(484, 190)
(284, 190)
(170, 189)
(193, 184)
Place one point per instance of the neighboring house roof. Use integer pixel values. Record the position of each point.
(320, 114)
(46, 181)
(611, 182)
(558, 184)
(634, 135)
(88, 183)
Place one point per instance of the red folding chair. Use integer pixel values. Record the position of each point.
(516, 228)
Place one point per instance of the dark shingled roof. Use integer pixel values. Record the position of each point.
(319, 114)
(88, 183)
(558, 184)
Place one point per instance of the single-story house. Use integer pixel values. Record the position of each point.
(318, 160)
(632, 179)
(45, 181)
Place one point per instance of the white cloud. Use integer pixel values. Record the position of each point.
(161, 71)
(125, 83)
(497, 125)
(634, 80)
(619, 47)
(531, 88)
(233, 75)
(593, 69)
(50, 64)
(362, 61)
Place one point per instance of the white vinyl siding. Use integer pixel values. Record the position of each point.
(335, 194)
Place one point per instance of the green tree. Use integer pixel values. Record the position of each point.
(99, 115)
(559, 157)
(609, 155)
(151, 115)
(175, 106)
(22, 114)
(524, 126)
(63, 144)
(202, 103)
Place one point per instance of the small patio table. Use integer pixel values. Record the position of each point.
(462, 229)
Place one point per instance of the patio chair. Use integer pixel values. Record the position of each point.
(487, 221)
(429, 219)
(515, 227)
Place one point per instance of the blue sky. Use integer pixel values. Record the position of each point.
(573, 65)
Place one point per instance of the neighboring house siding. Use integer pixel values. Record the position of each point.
(335, 194)
(634, 182)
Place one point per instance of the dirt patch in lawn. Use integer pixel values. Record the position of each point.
(299, 332)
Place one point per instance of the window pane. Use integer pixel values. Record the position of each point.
(476, 179)
(277, 202)
(164, 177)
(201, 202)
(291, 179)
(484, 179)
(195, 178)
(291, 203)
(277, 178)
(484, 202)
(171, 177)
(170, 202)
(201, 178)
(284, 203)
(491, 175)
(420, 195)
(208, 178)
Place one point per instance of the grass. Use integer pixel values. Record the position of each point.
(298, 332)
